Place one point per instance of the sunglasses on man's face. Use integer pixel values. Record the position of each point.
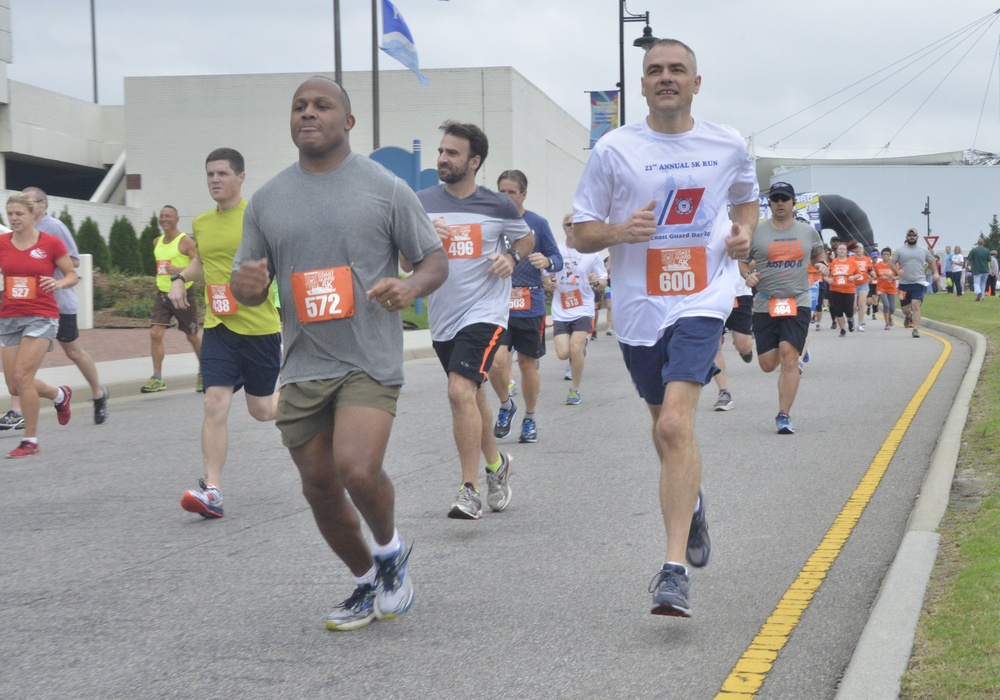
(779, 198)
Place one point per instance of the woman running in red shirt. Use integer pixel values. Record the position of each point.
(29, 315)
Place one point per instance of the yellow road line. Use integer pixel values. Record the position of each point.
(751, 670)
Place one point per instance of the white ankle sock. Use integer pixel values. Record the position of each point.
(381, 550)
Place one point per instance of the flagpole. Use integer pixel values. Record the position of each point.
(375, 135)
(93, 47)
(338, 73)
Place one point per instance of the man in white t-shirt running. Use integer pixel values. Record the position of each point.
(655, 192)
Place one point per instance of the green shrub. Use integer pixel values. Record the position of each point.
(99, 296)
(67, 220)
(118, 290)
(89, 240)
(124, 247)
(146, 240)
(138, 308)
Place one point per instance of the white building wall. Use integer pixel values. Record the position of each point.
(172, 123)
(6, 54)
(44, 124)
(963, 198)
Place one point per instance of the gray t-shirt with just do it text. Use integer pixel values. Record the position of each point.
(782, 262)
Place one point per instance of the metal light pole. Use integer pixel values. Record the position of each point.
(927, 212)
(338, 73)
(93, 46)
(644, 42)
(375, 117)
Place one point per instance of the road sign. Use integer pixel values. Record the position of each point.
(931, 241)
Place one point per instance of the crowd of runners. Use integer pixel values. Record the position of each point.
(673, 199)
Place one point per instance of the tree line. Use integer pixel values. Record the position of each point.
(124, 252)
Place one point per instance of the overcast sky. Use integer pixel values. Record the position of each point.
(760, 61)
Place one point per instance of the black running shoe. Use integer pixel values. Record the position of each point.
(699, 547)
(505, 417)
(101, 410)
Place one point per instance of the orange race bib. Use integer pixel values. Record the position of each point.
(465, 241)
(163, 267)
(221, 300)
(782, 307)
(520, 299)
(323, 295)
(571, 299)
(22, 288)
(676, 271)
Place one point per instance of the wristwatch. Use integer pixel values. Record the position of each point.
(514, 254)
(178, 276)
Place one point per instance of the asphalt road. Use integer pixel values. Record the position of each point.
(109, 590)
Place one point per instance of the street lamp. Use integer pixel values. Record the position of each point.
(927, 212)
(644, 42)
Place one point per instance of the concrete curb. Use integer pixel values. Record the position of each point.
(883, 651)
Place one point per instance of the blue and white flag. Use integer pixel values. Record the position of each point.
(397, 40)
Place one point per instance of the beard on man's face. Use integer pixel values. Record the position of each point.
(451, 175)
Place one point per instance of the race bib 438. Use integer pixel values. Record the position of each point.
(221, 300)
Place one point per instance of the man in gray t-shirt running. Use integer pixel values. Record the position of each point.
(780, 253)
(330, 229)
(910, 264)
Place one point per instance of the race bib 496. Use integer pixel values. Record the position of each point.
(465, 241)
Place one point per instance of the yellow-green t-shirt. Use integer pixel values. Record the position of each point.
(171, 253)
(217, 235)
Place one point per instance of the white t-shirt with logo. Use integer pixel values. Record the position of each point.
(685, 269)
(574, 297)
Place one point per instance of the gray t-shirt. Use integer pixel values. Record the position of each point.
(66, 298)
(358, 215)
(913, 261)
(782, 262)
(481, 224)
